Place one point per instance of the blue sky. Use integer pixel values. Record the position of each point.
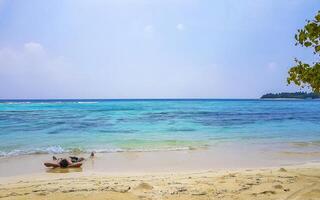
(149, 48)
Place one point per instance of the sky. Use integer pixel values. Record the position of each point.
(149, 48)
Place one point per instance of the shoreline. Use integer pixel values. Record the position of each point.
(227, 156)
(78, 172)
(228, 171)
(58, 150)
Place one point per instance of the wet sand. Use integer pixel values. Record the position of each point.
(227, 156)
(229, 172)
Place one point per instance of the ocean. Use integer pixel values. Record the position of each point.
(59, 126)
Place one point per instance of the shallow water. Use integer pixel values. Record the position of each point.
(57, 126)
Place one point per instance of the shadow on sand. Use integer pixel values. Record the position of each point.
(64, 170)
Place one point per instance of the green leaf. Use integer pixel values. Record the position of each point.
(307, 44)
(304, 74)
(317, 17)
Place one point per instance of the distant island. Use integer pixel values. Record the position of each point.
(293, 95)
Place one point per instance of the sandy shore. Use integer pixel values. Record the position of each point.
(226, 156)
(230, 172)
(294, 182)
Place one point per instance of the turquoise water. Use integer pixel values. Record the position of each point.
(52, 126)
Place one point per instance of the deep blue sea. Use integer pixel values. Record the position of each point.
(57, 126)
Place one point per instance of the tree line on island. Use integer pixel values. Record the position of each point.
(293, 95)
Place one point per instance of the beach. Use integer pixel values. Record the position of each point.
(225, 156)
(291, 182)
(161, 149)
(160, 100)
(187, 174)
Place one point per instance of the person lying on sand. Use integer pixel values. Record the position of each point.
(73, 159)
(70, 162)
(62, 163)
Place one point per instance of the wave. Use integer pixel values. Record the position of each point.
(315, 143)
(47, 102)
(24, 102)
(74, 151)
(47, 150)
(142, 150)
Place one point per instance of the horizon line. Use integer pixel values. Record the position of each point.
(70, 99)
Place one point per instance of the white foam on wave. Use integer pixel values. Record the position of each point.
(24, 102)
(60, 150)
(87, 102)
(49, 102)
(53, 102)
(46, 150)
(54, 149)
(2, 154)
(115, 150)
(12, 153)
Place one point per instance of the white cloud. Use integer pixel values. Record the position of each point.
(33, 47)
(34, 73)
(149, 29)
(180, 27)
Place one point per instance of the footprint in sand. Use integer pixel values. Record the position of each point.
(266, 192)
(278, 186)
(282, 170)
(144, 186)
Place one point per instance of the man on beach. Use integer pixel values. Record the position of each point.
(70, 162)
